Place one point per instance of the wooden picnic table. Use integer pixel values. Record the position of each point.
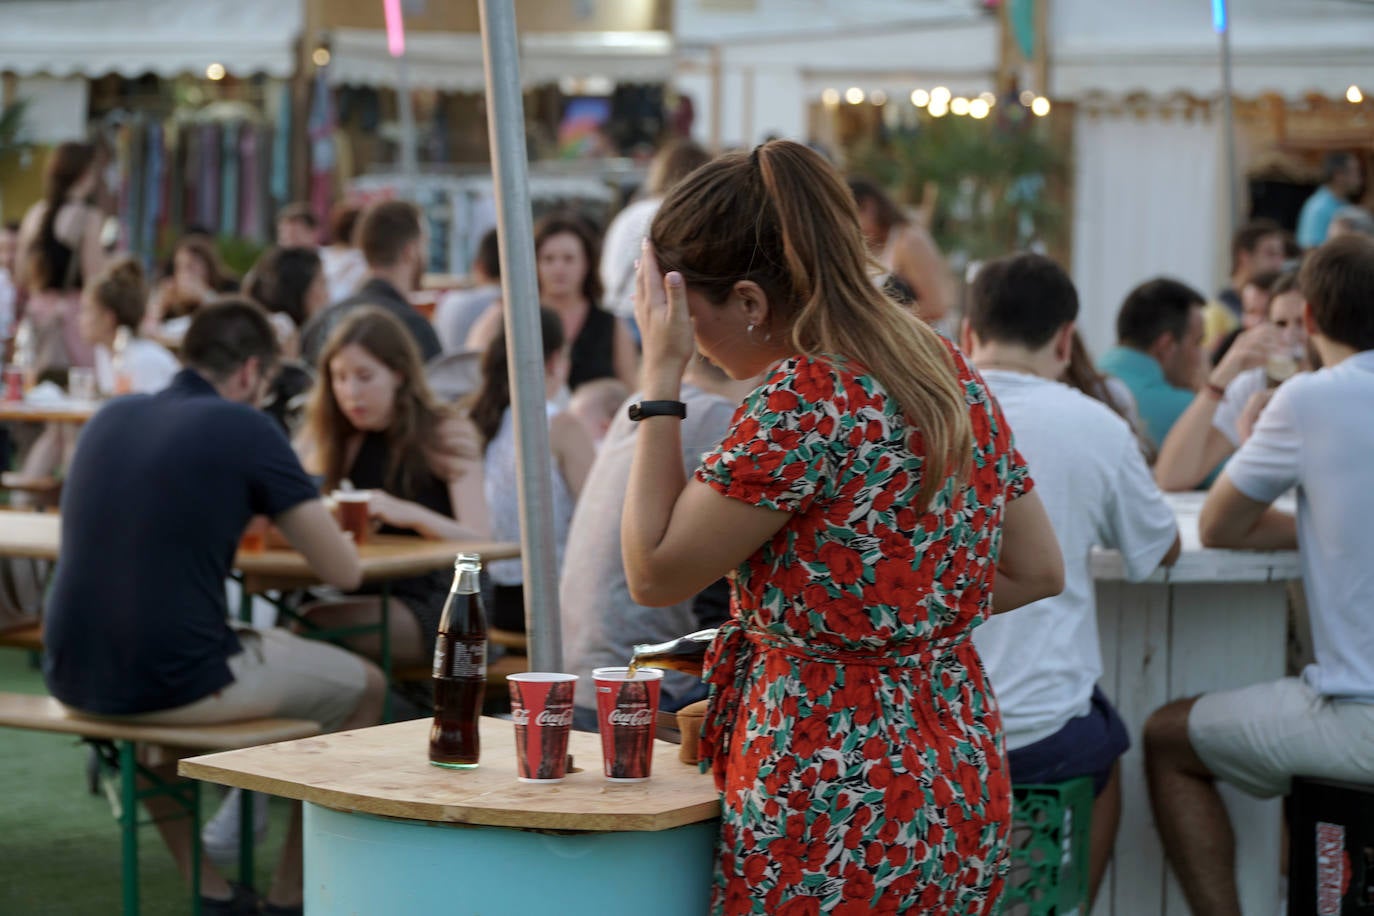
(61, 412)
(37, 535)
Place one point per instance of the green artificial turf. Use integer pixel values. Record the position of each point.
(59, 844)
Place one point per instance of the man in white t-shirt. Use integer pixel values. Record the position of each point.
(1211, 428)
(1044, 660)
(1316, 434)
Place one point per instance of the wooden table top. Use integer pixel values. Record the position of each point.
(65, 412)
(383, 557)
(386, 771)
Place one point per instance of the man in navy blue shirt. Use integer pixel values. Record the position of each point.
(158, 495)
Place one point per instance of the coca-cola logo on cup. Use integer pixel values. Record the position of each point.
(521, 715)
(554, 718)
(630, 718)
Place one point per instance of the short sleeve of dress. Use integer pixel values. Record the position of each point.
(779, 445)
(1019, 481)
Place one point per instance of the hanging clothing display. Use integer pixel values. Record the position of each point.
(220, 176)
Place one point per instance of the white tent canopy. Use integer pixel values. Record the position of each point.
(452, 61)
(132, 37)
(1167, 47)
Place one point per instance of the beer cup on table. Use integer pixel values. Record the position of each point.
(81, 383)
(354, 506)
(254, 538)
(627, 711)
(541, 703)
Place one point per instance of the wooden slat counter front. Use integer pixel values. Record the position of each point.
(373, 802)
(1216, 620)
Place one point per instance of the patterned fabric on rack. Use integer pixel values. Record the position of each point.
(229, 180)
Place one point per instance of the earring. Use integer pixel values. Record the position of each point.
(749, 330)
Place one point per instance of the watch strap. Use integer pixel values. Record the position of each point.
(642, 409)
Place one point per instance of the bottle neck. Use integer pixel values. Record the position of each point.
(466, 582)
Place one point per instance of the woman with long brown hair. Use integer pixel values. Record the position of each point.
(198, 276)
(59, 249)
(913, 270)
(566, 254)
(572, 453)
(868, 500)
(374, 424)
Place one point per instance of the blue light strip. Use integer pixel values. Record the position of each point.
(1219, 16)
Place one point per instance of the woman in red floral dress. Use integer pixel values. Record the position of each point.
(866, 499)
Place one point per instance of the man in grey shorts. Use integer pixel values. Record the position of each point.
(158, 494)
(1317, 434)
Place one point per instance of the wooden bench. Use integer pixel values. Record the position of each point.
(29, 636)
(117, 743)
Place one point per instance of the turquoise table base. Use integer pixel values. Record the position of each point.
(357, 863)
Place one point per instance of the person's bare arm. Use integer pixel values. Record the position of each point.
(92, 252)
(485, 329)
(574, 450)
(28, 234)
(625, 356)
(1030, 566)
(1171, 556)
(1194, 446)
(1230, 519)
(310, 528)
(457, 443)
(918, 262)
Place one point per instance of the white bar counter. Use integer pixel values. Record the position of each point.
(1216, 620)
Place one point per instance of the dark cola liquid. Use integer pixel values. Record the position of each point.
(686, 654)
(453, 738)
(460, 682)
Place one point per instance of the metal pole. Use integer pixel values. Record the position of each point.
(406, 107)
(1221, 17)
(520, 294)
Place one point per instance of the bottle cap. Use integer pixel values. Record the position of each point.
(471, 561)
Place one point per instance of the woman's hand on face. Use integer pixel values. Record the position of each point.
(665, 325)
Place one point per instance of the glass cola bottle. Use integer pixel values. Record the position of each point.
(686, 653)
(460, 669)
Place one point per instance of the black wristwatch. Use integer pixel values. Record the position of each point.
(641, 409)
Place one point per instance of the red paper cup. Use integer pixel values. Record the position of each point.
(541, 702)
(627, 711)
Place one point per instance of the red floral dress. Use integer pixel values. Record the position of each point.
(852, 730)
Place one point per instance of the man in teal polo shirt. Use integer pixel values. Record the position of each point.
(1159, 353)
(1342, 177)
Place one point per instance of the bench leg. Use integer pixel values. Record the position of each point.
(128, 825)
(247, 835)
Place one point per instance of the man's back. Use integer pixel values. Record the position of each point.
(374, 292)
(1317, 434)
(1043, 659)
(158, 494)
(601, 623)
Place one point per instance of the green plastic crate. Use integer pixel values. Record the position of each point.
(1049, 849)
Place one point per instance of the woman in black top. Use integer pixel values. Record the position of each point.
(59, 246)
(566, 255)
(374, 423)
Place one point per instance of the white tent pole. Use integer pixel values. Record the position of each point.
(1221, 23)
(406, 105)
(524, 346)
